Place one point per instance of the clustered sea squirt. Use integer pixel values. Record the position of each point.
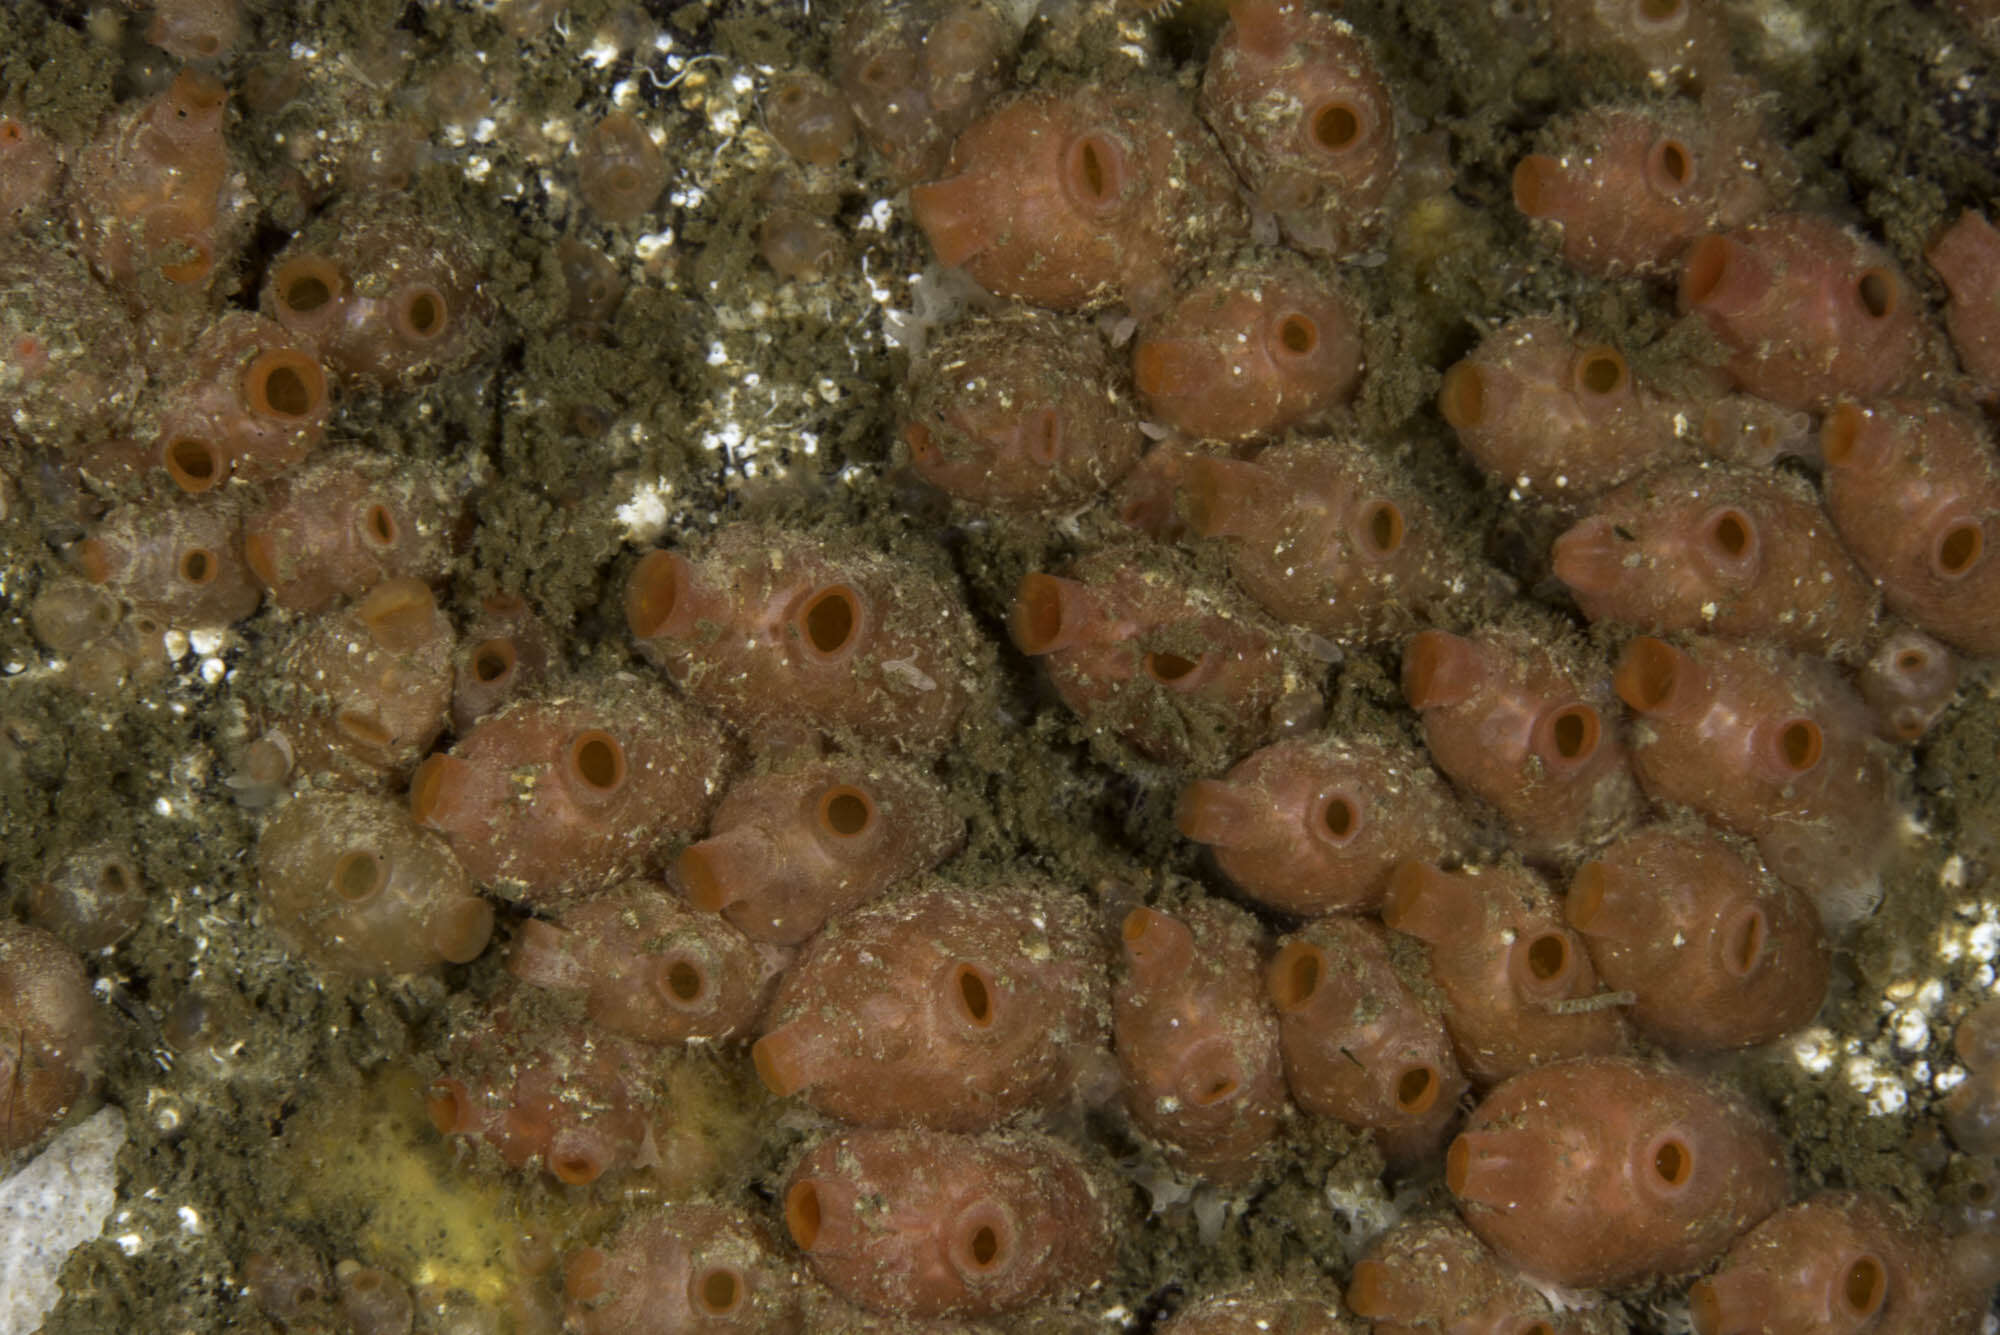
(1502, 862)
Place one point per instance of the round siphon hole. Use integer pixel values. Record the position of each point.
(1462, 398)
(1707, 265)
(492, 660)
(1646, 678)
(830, 620)
(192, 462)
(308, 292)
(1301, 979)
(1864, 1287)
(685, 982)
(445, 1108)
(1168, 668)
(1298, 334)
(198, 565)
(286, 392)
(598, 760)
(985, 1246)
(846, 812)
(424, 313)
(1091, 170)
(1340, 816)
(1746, 943)
(575, 1169)
(719, 1292)
(1674, 1162)
(1959, 549)
(1877, 290)
(357, 875)
(1044, 437)
(1731, 534)
(1574, 731)
(1218, 1088)
(1799, 744)
(1336, 126)
(1416, 1089)
(1602, 373)
(802, 1214)
(1548, 957)
(1384, 527)
(1912, 661)
(366, 729)
(1675, 164)
(379, 525)
(975, 998)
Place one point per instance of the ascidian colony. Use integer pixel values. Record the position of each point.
(838, 666)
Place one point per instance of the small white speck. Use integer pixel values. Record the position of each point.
(880, 213)
(645, 514)
(1911, 1029)
(1813, 1050)
(162, 807)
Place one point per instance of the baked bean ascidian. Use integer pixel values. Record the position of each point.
(1502, 729)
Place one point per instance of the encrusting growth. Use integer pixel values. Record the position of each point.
(52, 1031)
(1811, 310)
(1019, 411)
(924, 1224)
(1080, 197)
(1511, 723)
(1307, 120)
(1320, 533)
(1715, 952)
(558, 796)
(1914, 491)
(1316, 826)
(1505, 963)
(1732, 551)
(355, 884)
(940, 1007)
(1360, 1045)
(649, 966)
(794, 846)
(1768, 745)
(1840, 1261)
(1605, 1171)
(1249, 350)
(1432, 1274)
(1139, 647)
(1198, 1049)
(786, 635)
(682, 1267)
